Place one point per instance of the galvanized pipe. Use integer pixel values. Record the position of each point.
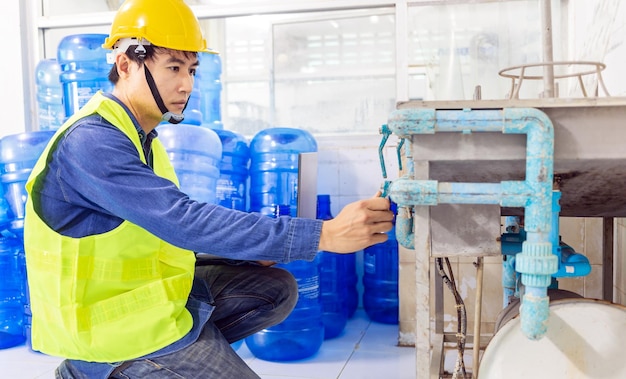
(536, 263)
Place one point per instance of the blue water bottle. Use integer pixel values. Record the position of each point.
(301, 334)
(50, 108)
(380, 279)
(333, 284)
(352, 281)
(274, 155)
(193, 115)
(18, 154)
(195, 153)
(232, 183)
(208, 77)
(84, 69)
(11, 294)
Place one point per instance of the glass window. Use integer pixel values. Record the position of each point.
(330, 72)
(454, 48)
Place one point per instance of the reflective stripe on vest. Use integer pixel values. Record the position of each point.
(108, 297)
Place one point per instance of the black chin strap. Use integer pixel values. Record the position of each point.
(168, 116)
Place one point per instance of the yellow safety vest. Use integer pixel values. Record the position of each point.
(108, 297)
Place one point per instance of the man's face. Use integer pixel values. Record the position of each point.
(173, 73)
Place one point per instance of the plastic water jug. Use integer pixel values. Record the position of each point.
(84, 69)
(352, 280)
(210, 85)
(18, 154)
(11, 294)
(5, 211)
(380, 280)
(301, 334)
(274, 155)
(333, 285)
(21, 151)
(195, 153)
(346, 262)
(28, 315)
(50, 108)
(232, 183)
(193, 115)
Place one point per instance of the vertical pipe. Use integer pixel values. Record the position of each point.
(509, 279)
(548, 69)
(405, 233)
(607, 258)
(536, 263)
(477, 316)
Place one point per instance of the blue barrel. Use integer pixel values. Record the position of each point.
(18, 155)
(11, 294)
(195, 153)
(208, 77)
(50, 108)
(84, 69)
(333, 284)
(380, 280)
(301, 334)
(232, 183)
(274, 154)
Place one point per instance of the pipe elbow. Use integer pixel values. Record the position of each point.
(404, 228)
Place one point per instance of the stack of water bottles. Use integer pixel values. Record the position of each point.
(18, 154)
(66, 83)
(209, 86)
(274, 157)
(84, 69)
(50, 104)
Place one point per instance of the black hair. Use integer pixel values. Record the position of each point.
(140, 55)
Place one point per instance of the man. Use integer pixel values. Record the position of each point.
(110, 239)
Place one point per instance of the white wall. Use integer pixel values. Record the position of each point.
(12, 95)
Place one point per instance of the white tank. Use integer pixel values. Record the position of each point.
(585, 339)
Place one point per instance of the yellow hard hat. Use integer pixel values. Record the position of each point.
(165, 23)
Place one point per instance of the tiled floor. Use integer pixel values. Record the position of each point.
(365, 350)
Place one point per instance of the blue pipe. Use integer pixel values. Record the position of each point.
(536, 262)
(405, 235)
(513, 232)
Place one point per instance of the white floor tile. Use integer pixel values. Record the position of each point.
(388, 363)
(21, 363)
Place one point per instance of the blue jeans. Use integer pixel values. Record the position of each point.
(247, 299)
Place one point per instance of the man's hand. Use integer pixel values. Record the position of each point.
(358, 225)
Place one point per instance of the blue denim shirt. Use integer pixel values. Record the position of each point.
(95, 179)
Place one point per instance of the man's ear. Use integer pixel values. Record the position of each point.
(123, 65)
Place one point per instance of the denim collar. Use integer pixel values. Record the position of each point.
(146, 139)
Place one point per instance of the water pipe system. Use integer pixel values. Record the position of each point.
(536, 262)
(570, 263)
